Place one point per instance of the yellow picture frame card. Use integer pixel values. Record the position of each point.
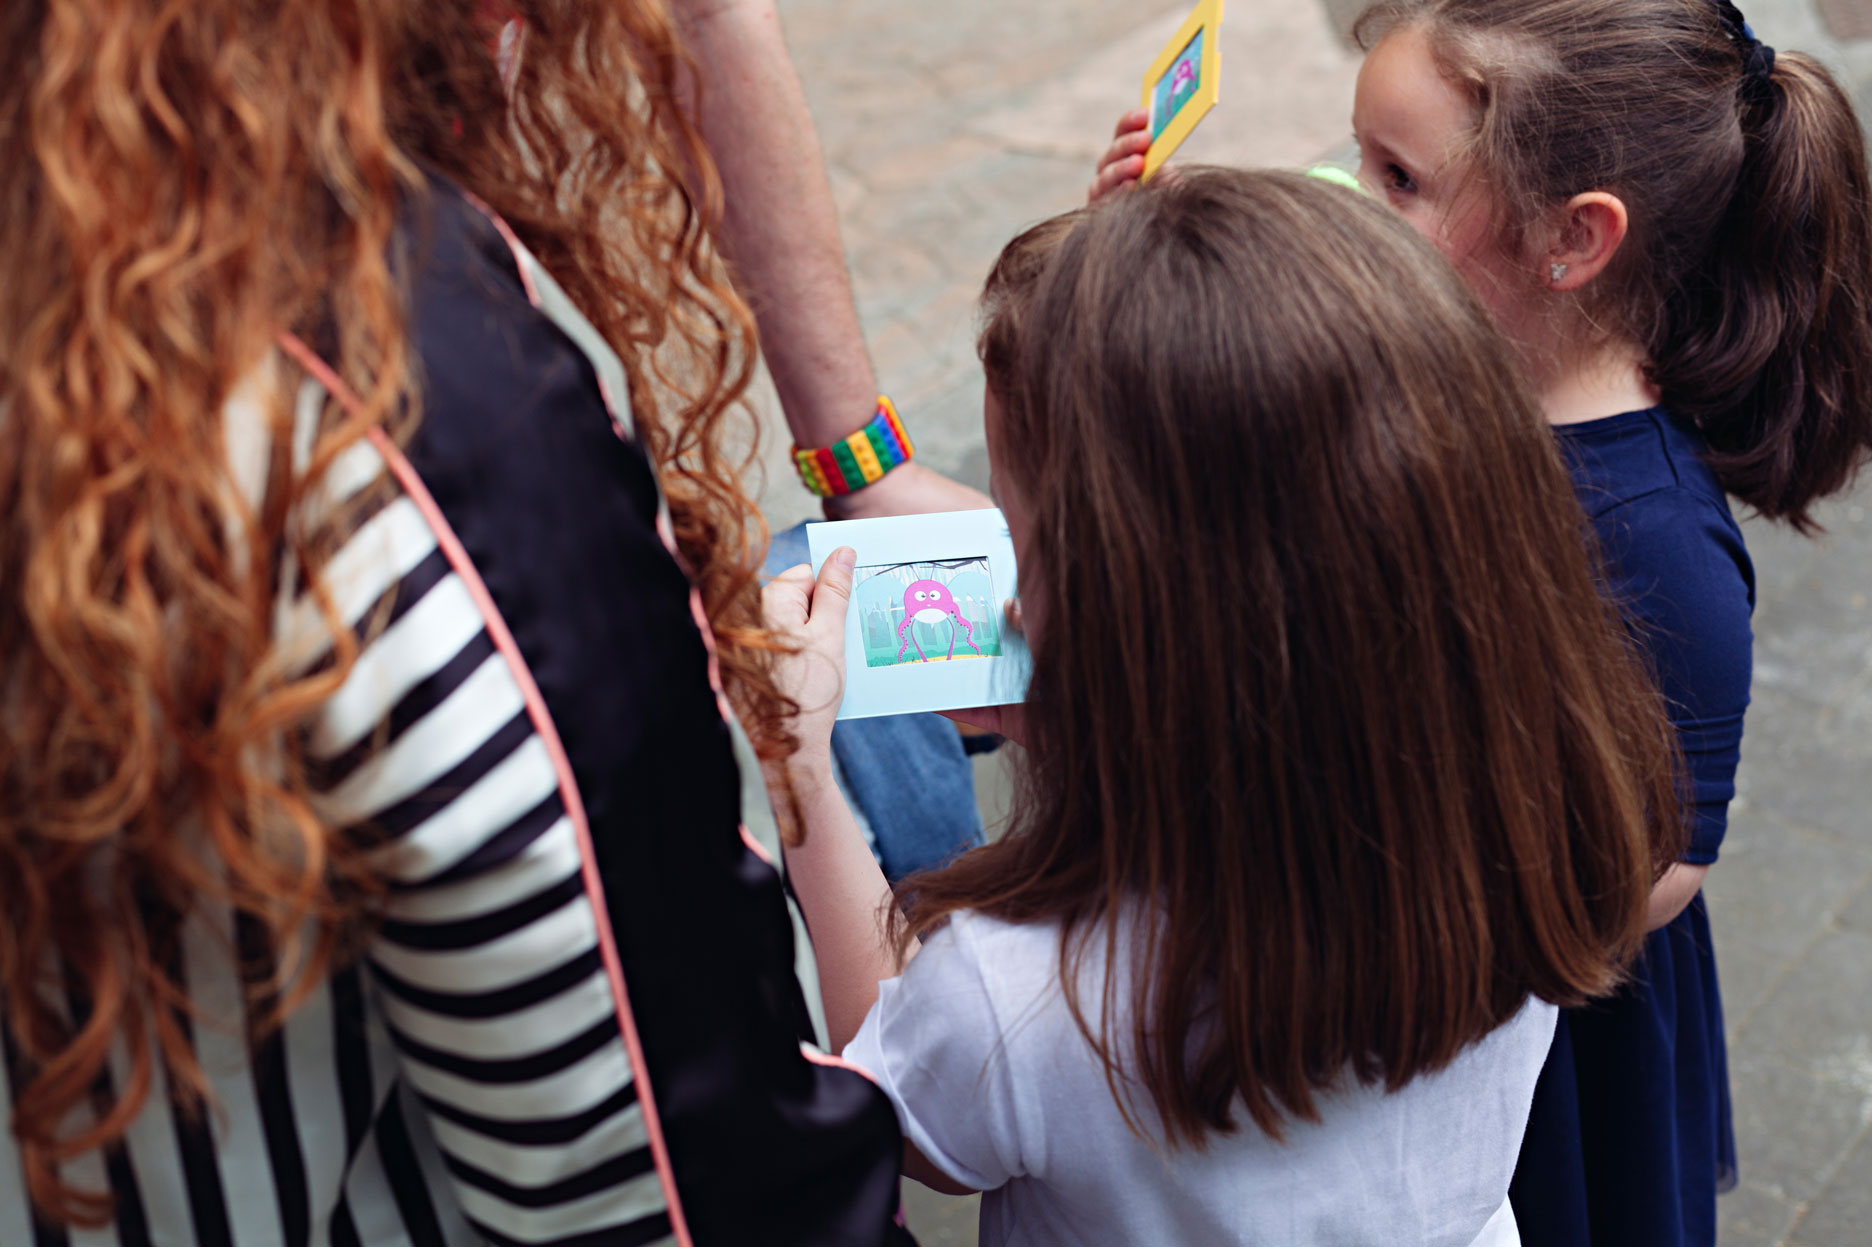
(1183, 83)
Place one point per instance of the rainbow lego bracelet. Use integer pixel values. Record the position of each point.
(858, 460)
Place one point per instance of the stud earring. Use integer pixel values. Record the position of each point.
(1557, 272)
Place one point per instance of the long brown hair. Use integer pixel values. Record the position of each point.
(1323, 684)
(1747, 275)
(181, 182)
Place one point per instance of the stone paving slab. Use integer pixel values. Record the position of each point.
(948, 127)
(1283, 65)
(1843, 1218)
(1803, 1126)
(1752, 1215)
(1846, 19)
(1802, 1073)
(1798, 880)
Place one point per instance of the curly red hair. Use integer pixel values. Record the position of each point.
(184, 179)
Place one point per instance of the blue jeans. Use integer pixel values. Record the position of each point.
(907, 776)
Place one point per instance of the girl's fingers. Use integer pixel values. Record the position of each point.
(1136, 119)
(833, 591)
(810, 613)
(1134, 144)
(1123, 161)
(1005, 721)
(1131, 145)
(786, 599)
(1115, 177)
(982, 718)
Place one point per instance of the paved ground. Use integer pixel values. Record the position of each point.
(949, 126)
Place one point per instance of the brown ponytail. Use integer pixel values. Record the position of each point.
(1747, 276)
(1767, 345)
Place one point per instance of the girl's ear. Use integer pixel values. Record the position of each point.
(1592, 228)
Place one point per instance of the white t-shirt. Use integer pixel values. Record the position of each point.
(996, 1086)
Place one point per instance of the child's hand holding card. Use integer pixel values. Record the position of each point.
(1180, 87)
(925, 629)
(1183, 83)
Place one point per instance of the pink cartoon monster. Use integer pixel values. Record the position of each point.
(927, 601)
(1182, 78)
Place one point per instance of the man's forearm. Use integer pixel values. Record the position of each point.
(780, 228)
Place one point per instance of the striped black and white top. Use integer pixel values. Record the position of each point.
(579, 1021)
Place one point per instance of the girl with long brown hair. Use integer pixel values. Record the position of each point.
(371, 851)
(1337, 777)
(1672, 222)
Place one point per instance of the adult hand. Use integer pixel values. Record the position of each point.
(908, 489)
(1123, 162)
(1008, 721)
(811, 614)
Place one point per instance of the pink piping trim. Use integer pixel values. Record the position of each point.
(457, 555)
(756, 847)
(836, 1062)
(514, 245)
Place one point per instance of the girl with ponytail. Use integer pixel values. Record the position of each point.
(1673, 224)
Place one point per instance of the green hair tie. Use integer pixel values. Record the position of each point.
(1337, 176)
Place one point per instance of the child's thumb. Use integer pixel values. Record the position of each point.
(834, 589)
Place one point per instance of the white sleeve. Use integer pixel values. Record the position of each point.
(935, 1043)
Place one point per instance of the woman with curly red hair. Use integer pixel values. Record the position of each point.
(372, 842)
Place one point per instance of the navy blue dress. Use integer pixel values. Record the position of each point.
(1629, 1138)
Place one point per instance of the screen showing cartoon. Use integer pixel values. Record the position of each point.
(932, 611)
(1178, 86)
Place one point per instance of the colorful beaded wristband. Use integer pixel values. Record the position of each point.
(858, 460)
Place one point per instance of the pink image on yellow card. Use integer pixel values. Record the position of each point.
(1183, 83)
(1176, 88)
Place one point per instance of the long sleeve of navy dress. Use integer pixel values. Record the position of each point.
(1629, 1139)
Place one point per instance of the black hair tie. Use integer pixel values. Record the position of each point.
(1757, 57)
